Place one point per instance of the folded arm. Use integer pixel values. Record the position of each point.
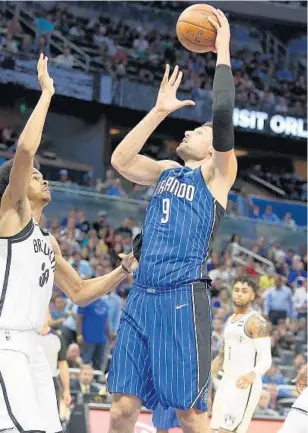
(83, 292)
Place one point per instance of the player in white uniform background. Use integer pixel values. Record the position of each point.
(297, 419)
(30, 261)
(243, 358)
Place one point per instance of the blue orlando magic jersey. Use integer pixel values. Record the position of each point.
(178, 230)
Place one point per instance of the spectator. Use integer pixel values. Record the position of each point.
(11, 44)
(262, 410)
(44, 26)
(113, 302)
(27, 46)
(76, 32)
(73, 356)
(125, 228)
(59, 314)
(243, 203)
(288, 221)
(69, 326)
(42, 47)
(85, 382)
(93, 330)
(64, 180)
(269, 215)
(65, 60)
(116, 188)
(255, 212)
(278, 302)
(141, 45)
(300, 298)
(273, 376)
(82, 266)
(234, 245)
(231, 209)
(296, 270)
(299, 362)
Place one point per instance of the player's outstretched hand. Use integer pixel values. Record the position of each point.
(42, 72)
(167, 101)
(128, 262)
(223, 29)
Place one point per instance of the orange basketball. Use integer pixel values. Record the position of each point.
(194, 30)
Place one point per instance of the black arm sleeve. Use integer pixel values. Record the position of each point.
(223, 104)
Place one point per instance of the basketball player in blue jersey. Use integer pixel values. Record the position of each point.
(162, 354)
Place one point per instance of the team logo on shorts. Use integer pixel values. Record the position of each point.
(229, 419)
(205, 396)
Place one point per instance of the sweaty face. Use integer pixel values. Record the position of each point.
(196, 145)
(242, 294)
(38, 188)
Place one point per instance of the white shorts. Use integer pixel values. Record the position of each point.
(297, 419)
(27, 394)
(233, 408)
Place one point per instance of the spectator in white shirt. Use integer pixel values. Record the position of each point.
(65, 60)
(77, 32)
(300, 298)
(141, 44)
(288, 221)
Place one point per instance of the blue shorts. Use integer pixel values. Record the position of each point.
(163, 349)
(163, 419)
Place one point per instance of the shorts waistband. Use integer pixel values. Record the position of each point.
(180, 287)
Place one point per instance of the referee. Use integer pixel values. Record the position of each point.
(55, 350)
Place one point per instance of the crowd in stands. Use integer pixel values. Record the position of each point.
(121, 49)
(89, 332)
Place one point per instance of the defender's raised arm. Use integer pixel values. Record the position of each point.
(16, 193)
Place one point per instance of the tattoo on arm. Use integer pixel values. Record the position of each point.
(258, 327)
(217, 363)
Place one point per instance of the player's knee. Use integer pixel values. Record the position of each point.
(190, 418)
(122, 413)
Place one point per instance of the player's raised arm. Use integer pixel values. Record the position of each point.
(28, 143)
(223, 103)
(126, 159)
(82, 292)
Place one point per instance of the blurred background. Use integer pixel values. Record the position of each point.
(107, 60)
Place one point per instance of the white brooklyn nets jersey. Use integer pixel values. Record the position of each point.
(27, 265)
(240, 355)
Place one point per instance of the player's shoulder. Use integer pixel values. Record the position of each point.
(54, 243)
(258, 326)
(167, 164)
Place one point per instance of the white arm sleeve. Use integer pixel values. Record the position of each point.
(264, 355)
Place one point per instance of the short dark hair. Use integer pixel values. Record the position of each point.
(249, 281)
(5, 171)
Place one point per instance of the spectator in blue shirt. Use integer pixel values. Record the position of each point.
(58, 315)
(82, 266)
(296, 271)
(113, 302)
(243, 203)
(270, 216)
(278, 302)
(93, 330)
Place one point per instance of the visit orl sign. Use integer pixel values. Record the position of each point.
(277, 124)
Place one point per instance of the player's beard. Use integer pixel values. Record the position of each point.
(187, 153)
(241, 304)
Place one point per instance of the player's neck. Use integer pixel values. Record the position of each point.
(36, 212)
(191, 163)
(241, 310)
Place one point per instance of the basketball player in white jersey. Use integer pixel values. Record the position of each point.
(243, 358)
(297, 419)
(30, 261)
